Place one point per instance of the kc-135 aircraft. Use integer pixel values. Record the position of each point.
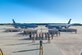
(49, 25)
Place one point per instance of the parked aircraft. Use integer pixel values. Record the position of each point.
(18, 25)
(49, 25)
(60, 25)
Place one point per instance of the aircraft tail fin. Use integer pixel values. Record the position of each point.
(69, 21)
(13, 21)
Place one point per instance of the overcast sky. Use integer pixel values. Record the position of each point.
(40, 11)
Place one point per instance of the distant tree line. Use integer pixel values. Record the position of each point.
(76, 24)
(5, 23)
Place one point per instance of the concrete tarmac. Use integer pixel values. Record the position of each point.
(66, 44)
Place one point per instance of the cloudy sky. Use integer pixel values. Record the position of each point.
(40, 11)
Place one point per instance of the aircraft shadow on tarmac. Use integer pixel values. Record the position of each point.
(26, 50)
(38, 38)
(29, 44)
(18, 44)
